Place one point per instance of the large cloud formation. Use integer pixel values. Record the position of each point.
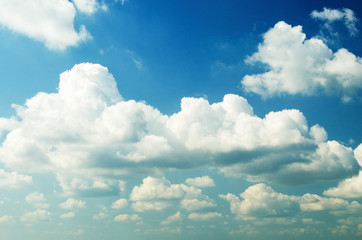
(302, 66)
(48, 21)
(91, 137)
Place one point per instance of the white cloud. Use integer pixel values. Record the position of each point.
(89, 6)
(67, 215)
(127, 218)
(14, 180)
(48, 21)
(261, 201)
(196, 204)
(141, 206)
(173, 218)
(37, 200)
(90, 138)
(100, 215)
(204, 181)
(157, 188)
(119, 204)
(337, 206)
(350, 187)
(7, 124)
(38, 215)
(72, 203)
(6, 218)
(332, 15)
(203, 216)
(302, 66)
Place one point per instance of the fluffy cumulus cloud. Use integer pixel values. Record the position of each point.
(48, 21)
(128, 218)
(120, 203)
(302, 66)
(37, 200)
(90, 137)
(261, 201)
(38, 215)
(204, 181)
(14, 180)
(173, 218)
(351, 187)
(329, 16)
(156, 194)
(72, 203)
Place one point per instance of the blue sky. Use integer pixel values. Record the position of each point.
(166, 120)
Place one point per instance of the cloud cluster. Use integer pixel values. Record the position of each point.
(261, 201)
(329, 16)
(158, 193)
(302, 66)
(90, 137)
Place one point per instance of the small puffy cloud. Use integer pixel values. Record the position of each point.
(48, 21)
(14, 180)
(261, 201)
(67, 215)
(38, 215)
(329, 16)
(6, 218)
(89, 6)
(302, 66)
(196, 204)
(37, 200)
(90, 137)
(127, 218)
(119, 204)
(350, 187)
(203, 216)
(173, 218)
(157, 188)
(204, 181)
(72, 203)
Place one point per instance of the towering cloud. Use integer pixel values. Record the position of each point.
(90, 137)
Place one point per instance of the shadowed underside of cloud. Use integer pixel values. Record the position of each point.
(297, 65)
(90, 137)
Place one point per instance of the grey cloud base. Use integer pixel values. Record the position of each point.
(90, 137)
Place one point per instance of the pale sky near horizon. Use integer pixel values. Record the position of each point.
(134, 119)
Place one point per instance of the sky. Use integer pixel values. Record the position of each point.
(135, 119)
